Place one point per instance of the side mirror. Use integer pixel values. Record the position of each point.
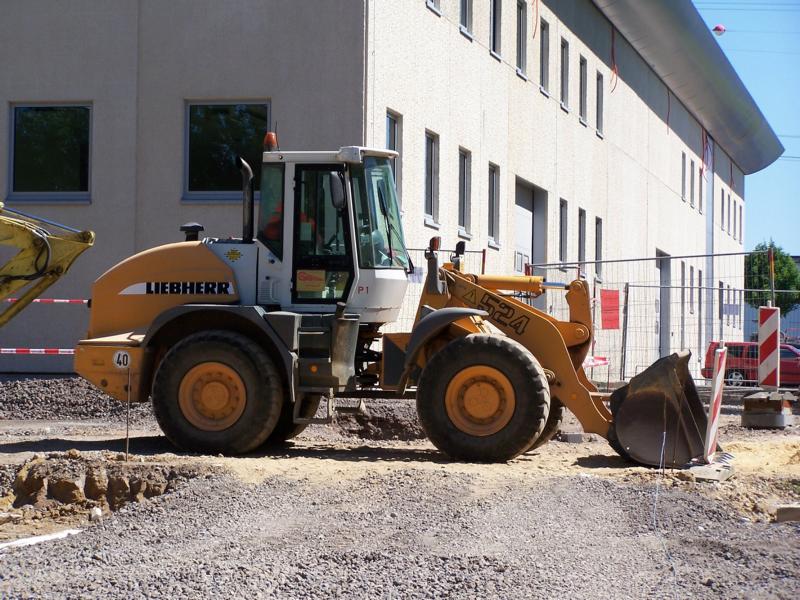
(337, 189)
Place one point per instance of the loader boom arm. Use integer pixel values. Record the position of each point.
(42, 258)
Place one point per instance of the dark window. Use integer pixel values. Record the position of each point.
(464, 177)
(393, 133)
(691, 289)
(700, 189)
(434, 4)
(722, 209)
(494, 206)
(583, 91)
(735, 350)
(465, 18)
(496, 25)
(691, 185)
(564, 73)
(218, 133)
(786, 353)
(562, 231)
(740, 223)
(581, 235)
(728, 226)
(599, 102)
(431, 175)
(50, 151)
(270, 208)
(598, 245)
(544, 56)
(522, 36)
(683, 175)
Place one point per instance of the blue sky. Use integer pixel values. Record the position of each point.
(762, 42)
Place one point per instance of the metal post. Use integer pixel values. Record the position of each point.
(771, 256)
(128, 419)
(624, 332)
(483, 261)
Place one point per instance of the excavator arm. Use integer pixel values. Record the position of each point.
(42, 257)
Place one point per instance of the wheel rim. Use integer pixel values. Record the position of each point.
(480, 400)
(212, 396)
(735, 379)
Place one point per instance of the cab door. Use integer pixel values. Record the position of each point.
(322, 270)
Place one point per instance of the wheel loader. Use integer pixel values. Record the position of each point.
(238, 341)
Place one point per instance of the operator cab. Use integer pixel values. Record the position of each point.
(330, 228)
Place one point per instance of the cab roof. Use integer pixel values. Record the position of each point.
(345, 154)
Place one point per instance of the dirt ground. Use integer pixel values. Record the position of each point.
(383, 466)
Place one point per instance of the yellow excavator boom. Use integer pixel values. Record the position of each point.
(42, 259)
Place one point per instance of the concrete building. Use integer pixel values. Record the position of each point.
(540, 131)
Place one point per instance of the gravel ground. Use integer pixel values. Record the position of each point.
(413, 534)
(366, 508)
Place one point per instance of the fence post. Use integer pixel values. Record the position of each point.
(483, 261)
(771, 256)
(624, 333)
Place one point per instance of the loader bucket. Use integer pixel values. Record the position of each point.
(658, 418)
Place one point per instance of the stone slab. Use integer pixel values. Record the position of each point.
(788, 512)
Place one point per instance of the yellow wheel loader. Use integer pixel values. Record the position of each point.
(237, 341)
(41, 258)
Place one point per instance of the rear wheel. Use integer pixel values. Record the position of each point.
(217, 391)
(286, 428)
(483, 398)
(734, 378)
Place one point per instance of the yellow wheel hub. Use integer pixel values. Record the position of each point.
(480, 400)
(212, 396)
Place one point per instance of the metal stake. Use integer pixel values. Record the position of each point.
(128, 419)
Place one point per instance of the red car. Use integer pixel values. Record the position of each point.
(742, 363)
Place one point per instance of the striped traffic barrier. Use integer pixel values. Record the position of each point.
(769, 363)
(714, 407)
(38, 351)
(595, 361)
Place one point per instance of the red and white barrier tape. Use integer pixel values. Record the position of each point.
(39, 351)
(52, 300)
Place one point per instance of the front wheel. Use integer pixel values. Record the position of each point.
(217, 391)
(483, 398)
(734, 378)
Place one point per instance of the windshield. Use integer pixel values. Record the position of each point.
(380, 234)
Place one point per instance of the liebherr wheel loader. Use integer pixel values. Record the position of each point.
(237, 341)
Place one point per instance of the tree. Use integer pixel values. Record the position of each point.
(787, 277)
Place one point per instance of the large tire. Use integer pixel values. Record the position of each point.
(286, 428)
(735, 378)
(552, 425)
(483, 398)
(217, 391)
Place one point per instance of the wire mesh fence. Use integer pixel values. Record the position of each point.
(645, 308)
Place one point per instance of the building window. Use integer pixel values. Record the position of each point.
(722, 209)
(464, 189)
(598, 246)
(394, 124)
(431, 176)
(691, 184)
(700, 189)
(728, 226)
(583, 91)
(522, 36)
(734, 220)
(564, 73)
(599, 102)
(496, 25)
(581, 235)
(434, 6)
(217, 134)
(683, 304)
(465, 18)
(691, 289)
(740, 224)
(544, 57)
(494, 203)
(562, 231)
(50, 152)
(683, 176)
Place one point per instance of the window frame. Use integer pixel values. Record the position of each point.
(700, 188)
(435, 6)
(599, 103)
(79, 197)
(598, 246)
(496, 28)
(493, 201)
(397, 163)
(691, 183)
(464, 192)
(563, 229)
(581, 235)
(564, 89)
(522, 38)
(722, 209)
(227, 197)
(583, 84)
(683, 176)
(465, 17)
(544, 57)
(432, 218)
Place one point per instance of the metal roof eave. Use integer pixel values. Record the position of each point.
(682, 51)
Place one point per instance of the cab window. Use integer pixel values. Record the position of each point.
(270, 208)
